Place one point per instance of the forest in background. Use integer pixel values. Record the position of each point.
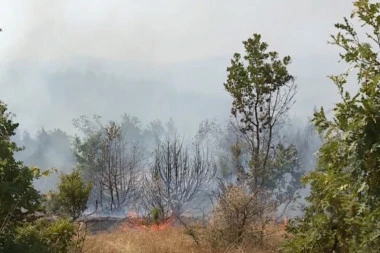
(56, 149)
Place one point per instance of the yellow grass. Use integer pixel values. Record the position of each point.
(172, 240)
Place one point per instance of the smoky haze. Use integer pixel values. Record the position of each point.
(151, 59)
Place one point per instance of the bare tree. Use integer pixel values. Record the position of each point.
(110, 161)
(177, 176)
(118, 170)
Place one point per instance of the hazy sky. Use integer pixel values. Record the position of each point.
(153, 59)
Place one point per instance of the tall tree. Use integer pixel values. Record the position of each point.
(119, 165)
(263, 92)
(344, 206)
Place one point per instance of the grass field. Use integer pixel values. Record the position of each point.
(170, 240)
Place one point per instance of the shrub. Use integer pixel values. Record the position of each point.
(156, 215)
(43, 236)
(237, 218)
(72, 195)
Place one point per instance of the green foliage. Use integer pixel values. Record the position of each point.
(86, 154)
(18, 198)
(251, 86)
(262, 90)
(72, 195)
(343, 215)
(41, 237)
(20, 231)
(156, 215)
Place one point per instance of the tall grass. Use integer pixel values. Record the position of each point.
(172, 240)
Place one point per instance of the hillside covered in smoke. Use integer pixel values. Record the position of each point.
(57, 149)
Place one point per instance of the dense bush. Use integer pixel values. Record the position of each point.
(73, 194)
(42, 236)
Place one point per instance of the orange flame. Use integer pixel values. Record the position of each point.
(135, 222)
(167, 223)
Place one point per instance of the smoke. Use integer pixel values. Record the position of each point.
(163, 32)
(62, 59)
(150, 59)
(47, 150)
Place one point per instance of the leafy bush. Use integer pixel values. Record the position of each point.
(43, 236)
(72, 195)
(156, 215)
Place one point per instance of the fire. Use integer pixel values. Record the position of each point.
(134, 222)
(167, 223)
(284, 222)
(132, 214)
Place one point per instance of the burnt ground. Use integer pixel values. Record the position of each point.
(97, 225)
(104, 224)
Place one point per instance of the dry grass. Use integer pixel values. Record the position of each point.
(173, 240)
(169, 241)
